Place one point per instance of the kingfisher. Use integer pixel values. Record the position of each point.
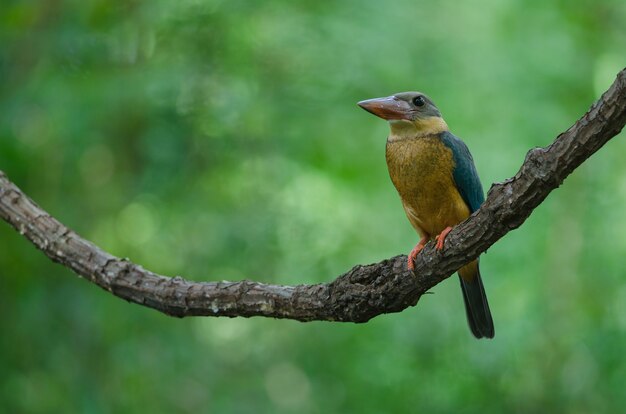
(435, 176)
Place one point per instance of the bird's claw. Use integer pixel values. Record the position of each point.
(441, 238)
(418, 248)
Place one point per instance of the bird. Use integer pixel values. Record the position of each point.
(434, 173)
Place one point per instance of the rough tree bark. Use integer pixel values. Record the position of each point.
(364, 291)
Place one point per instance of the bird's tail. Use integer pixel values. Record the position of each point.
(476, 306)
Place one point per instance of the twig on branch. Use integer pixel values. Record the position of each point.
(358, 295)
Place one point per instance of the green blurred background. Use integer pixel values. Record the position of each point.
(221, 140)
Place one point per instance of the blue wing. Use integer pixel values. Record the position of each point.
(465, 174)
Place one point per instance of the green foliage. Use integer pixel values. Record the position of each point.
(221, 140)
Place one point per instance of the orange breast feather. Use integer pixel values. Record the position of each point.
(421, 170)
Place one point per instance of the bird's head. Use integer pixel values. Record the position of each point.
(408, 113)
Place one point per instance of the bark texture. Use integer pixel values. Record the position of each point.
(363, 292)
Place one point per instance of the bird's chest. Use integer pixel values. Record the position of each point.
(421, 170)
(420, 166)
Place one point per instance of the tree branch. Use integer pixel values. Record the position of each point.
(358, 295)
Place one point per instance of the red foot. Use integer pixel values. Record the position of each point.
(442, 238)
(418, 248)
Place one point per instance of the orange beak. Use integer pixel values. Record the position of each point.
(389, 108)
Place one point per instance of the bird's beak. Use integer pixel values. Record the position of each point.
(389, 108)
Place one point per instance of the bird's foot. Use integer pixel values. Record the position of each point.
(442, 238)
(418, 248)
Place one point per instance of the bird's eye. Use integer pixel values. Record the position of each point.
(418, 101)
